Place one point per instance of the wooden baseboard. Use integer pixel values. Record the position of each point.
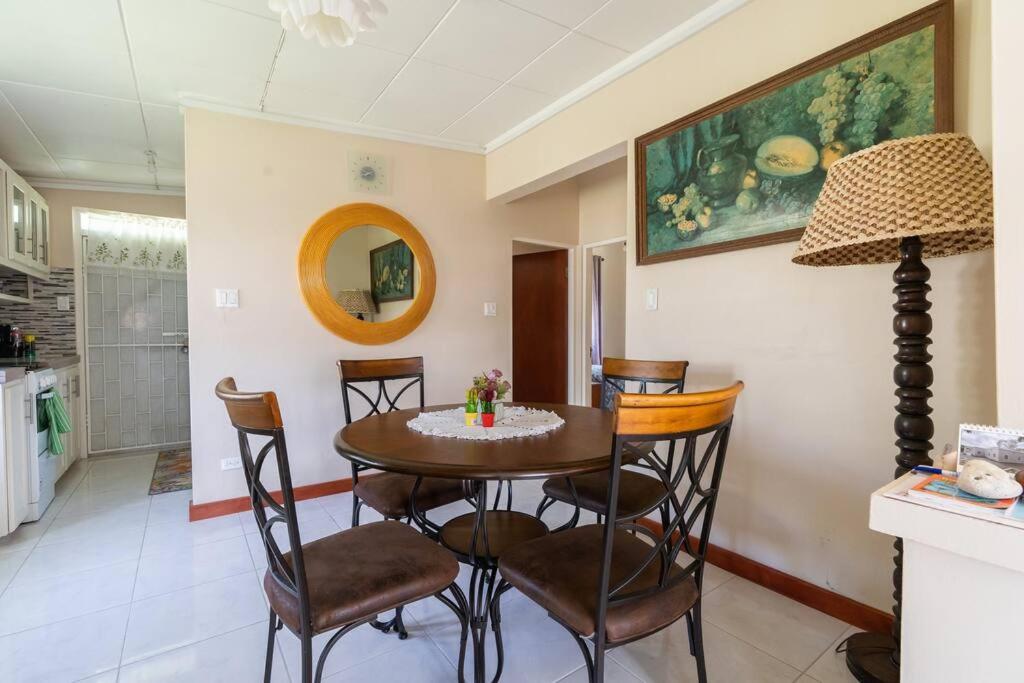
(836, 605)
(219, 508)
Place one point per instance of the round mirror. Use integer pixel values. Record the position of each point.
(366, 273)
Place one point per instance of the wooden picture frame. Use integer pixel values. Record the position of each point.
(384, 251)
(312, 271)
(938, 15)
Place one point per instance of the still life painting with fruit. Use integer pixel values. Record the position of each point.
(749, 174)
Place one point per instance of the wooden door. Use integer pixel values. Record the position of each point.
(540, 326)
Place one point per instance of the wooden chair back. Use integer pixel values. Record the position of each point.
(698, 426)
(621, 375)
(257, 415)
(374, 375)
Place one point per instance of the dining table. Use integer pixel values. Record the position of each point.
(583, 444)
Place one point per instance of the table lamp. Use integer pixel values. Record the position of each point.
(357, 302)
(929, 195)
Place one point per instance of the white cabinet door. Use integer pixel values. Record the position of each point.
(16, 454)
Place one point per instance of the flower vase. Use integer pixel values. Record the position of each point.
(499, 411)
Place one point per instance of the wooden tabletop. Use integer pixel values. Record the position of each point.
(583, 444)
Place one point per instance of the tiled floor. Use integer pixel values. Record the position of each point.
(115, 585)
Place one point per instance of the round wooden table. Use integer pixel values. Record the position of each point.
(583, 444)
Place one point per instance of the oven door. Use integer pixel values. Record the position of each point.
(48, 465)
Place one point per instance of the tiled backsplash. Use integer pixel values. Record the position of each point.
(54, 330)
(138, 378)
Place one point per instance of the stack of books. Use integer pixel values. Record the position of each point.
(941, 491)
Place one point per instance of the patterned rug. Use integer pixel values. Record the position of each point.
(173, 471)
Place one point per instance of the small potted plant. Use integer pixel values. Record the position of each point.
(496, 388)
(471, 406)
(486, 403)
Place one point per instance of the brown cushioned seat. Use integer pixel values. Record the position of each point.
(637, 491)
(363, 571)
(388, 493)
(560, 572)
(505, 530)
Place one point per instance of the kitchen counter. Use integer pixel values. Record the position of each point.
(13, 369)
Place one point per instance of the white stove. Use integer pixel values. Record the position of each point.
(44, 467)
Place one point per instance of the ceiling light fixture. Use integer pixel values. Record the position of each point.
(329, 21)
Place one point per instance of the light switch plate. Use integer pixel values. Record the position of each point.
(63, 303)
(230, 463)
(490, 309)
(226, 298)
(651, 299)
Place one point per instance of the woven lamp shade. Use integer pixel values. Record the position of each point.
(356, 301)
(937, 187)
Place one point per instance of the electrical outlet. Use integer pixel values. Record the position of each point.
(651, 299)
(226, 298)
(234, 463)
(63, 303)
(490, 309)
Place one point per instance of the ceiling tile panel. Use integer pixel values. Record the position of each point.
(406, 25)
(171, 177)
(490, 38)
(570, 63)
(501, 111)
(426, 98)
(77, 169)
(77, 126)
(312, 104)
(565, 12)
(260, 8)
(166, 128)
(192, 47)
(619, 23)
(19, 148)
(67, 44)
(355, 74)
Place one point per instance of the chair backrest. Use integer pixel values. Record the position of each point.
(622, 376)
(699, 425)
(379, 372)
(258, 415)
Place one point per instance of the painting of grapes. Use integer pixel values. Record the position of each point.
(746, 172)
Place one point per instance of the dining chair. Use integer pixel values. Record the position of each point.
(338, 582)
(622, 580)
(638, 487)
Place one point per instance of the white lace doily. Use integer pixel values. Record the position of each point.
(518, 421)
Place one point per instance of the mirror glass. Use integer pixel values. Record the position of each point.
(372, 274)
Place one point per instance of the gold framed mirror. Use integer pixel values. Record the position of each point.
(366, 273)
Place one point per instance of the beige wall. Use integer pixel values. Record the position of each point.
(62, 201)
(603, 202)
(813, 432)
(613, 298)
(1007, 104)
(253, 189)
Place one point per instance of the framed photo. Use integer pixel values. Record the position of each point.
(392, 272)
(746, 171)
(1002, 447)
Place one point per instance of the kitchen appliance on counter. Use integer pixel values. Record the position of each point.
(44, 467)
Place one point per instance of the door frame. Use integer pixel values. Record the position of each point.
(581, 389)
(570, 312)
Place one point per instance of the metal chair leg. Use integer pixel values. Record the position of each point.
(307, 657)
(275, 626)
(357, 505)
(689, 634)
(461, 608)
(698, 645)
(400, 625)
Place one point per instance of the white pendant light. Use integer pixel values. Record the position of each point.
(332, 22)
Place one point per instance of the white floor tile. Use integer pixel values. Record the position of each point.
(170, 507)
(177, 536)
(714, 577)
(66, 651)
(10, 563)
(86, 499)
(193, 565)
(111, 521)
(783, 628)
(831, 666)
(416, 660)
(187, 616)
(106, 677)
(25, 537)
(228, 658)
(36, 603)
(613, 673)
(79, 555)
(665, 656)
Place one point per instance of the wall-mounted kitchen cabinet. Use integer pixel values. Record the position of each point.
(24, 226)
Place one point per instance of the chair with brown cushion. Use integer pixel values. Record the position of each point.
(636, 488)
(343, 580)
(620, 581)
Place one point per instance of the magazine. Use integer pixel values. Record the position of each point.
(943, 489)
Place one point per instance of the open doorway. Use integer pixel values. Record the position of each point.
(604, 308)
(540, 322)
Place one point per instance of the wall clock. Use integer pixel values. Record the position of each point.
(368, 173)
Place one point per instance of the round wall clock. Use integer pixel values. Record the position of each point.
(368, 173)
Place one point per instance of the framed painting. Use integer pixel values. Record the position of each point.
(392, 272)
(745, 172)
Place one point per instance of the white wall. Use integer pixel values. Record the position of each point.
(814, 432)
(613, 298)
(253, 189)
(1008, 136)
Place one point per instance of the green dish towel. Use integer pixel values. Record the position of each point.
(59, 421)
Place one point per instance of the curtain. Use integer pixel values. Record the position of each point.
(128, 240)
(596, 352)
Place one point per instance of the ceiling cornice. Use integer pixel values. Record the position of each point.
(100, 186)
(352, 128)
(696, 23)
